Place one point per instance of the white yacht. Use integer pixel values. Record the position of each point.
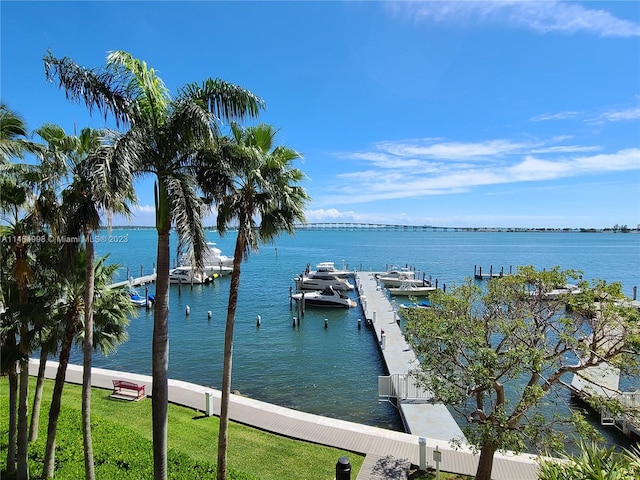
(328, 269)
(215, 264)
(409, 290)
(188, 275)
(398, 277)
(325, 298)
(214, 257)
(313, 282)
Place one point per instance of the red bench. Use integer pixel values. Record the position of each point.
(128, 390)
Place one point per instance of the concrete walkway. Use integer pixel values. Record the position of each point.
(376, 443)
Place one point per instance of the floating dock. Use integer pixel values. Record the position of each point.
(478, 275)
(135, 282)
(420, 414)
(603, 380)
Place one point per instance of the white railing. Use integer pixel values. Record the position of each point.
(401, 387)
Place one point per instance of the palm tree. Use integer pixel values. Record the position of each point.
(70, 312)
(13, 198)
(99, 185)
(163, 138)
(45, 180)
(253, 184)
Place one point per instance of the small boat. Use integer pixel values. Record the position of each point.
(138, 300)
(422, 304)
(217, 271)
(398, 277)
(313, 282)
(408, 289)
(188, 275)
(325, 298)
(568, 289)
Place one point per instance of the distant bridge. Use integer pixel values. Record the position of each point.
(391, 227)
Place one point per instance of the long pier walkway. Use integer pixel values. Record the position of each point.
(380, 446)
(420, 415)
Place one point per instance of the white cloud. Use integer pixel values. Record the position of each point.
(632, 113)
(565, 149)
(336, 216)
(435, 169)
(540, 16)
(555, 116)
(453, 150)
(144, 209)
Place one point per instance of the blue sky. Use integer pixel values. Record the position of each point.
(509, 114)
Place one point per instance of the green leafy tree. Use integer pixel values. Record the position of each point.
(165, 134)
(254, 186)
(496, 355)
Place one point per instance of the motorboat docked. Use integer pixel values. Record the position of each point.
(215, 264)
(217, 271)
(313, 282)
(422, 304)
(568, 289)
(213, 257)
(138, 300)
(189, 275)
(397, 277)
(324, 298)
(328, 270)
(408, 289)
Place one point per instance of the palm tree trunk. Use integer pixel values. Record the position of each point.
(37, 397)
(160, 358)
(23, 407)
(87, 347)
(13, 407)
(13, 420)
(56, 400)
(485, 464)
(228, 356)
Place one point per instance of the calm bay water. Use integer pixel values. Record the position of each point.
(333, 371)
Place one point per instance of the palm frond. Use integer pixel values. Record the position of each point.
(186, 213)
(142, 85)
(224, 100)
(101, 90)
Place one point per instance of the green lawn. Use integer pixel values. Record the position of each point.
(123, 449)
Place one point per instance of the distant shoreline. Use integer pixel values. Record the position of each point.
(417, 228)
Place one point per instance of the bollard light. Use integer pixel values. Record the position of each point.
(343, 469)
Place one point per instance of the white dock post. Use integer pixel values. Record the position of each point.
(208, 403)
(422, 445)
(383, 340)
(374, 316)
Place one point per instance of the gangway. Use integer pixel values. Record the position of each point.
(401, 387)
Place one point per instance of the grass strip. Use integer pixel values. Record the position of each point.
(122, 439)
